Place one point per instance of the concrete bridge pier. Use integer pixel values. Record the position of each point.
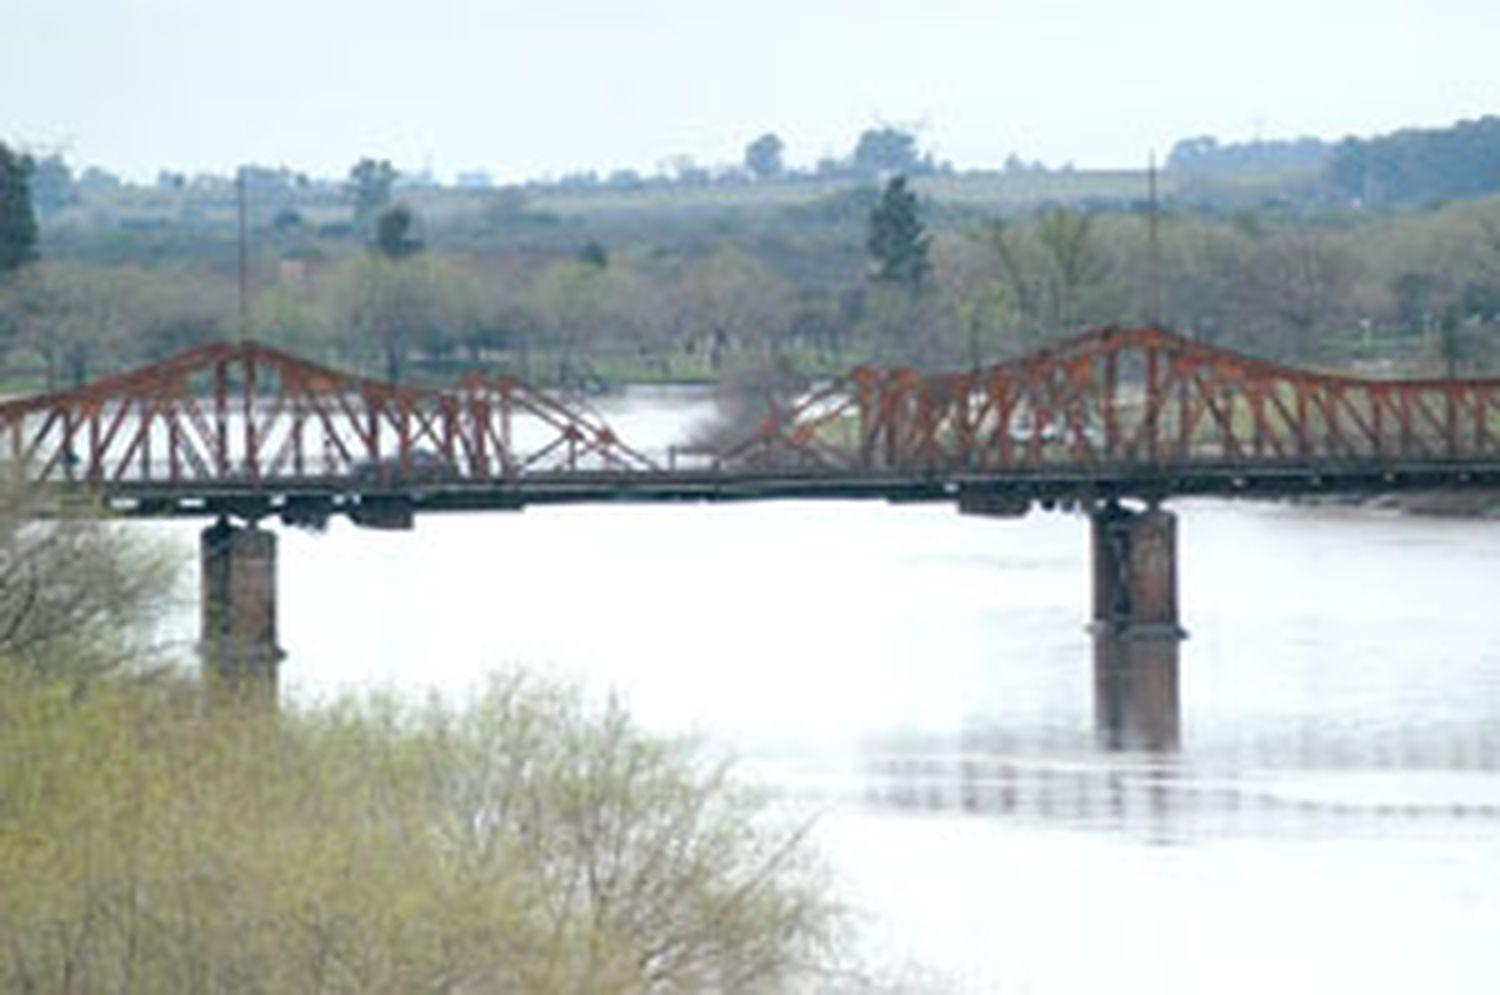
(238, 603)
(1135, 628)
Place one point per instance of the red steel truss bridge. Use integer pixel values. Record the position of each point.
(250, 431)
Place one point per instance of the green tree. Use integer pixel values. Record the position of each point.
(370, 183)
(393, 308)
(296, 319)
(594, 254)
(77, 317)
(898, 242)
(984, 312)
(1299, 286)
(886, 150)
(1024, 290)
(525, 843)
(1074, 263)
(571, 299)
(763, 157)
(18, 229)
(730, 299)
(52, 185)
(77, 596)
(1416, 301)
(396, 233)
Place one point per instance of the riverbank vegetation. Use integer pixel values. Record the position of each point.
(526, 840)
(521, 843)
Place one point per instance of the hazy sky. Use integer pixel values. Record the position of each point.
(526, 89)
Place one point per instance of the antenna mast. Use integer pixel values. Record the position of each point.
(239, 187)
(1153, 226)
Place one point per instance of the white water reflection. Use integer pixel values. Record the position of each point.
(922, 681)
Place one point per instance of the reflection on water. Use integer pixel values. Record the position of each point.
(1136, 702)
(1130, 776)
(1311, 785)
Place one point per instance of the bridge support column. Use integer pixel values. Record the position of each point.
(238, 602)
(1135, 628)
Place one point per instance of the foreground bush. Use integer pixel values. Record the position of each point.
(524, 843)
(79, 596)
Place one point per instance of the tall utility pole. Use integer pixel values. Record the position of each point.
(1153, 226)
(239, 187)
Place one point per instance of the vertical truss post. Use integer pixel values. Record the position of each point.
(221, 419)
(1481, 421)
(372, 427)
(403, 432)
(1304, 433)
(1110, 402)
(1187, 415)
(1377, 398)
(144, 428)
(247, 406)
(479, 424)
(1450, 418)
(1407, 444)
(1154, 402)
(299, 429)
(867, 417)
(174, 445)
(1332, 396)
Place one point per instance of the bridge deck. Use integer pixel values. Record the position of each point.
(315, 498)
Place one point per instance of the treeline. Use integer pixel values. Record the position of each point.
(408, 286)
(687, 299)
(58, 189)
(524, 841)
(1420, 165)
(1414, 166)
(1205, 154)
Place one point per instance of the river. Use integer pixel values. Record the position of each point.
(921, 683)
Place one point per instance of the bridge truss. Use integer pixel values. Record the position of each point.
(248, 413)
(250, 430)
(1113, 398)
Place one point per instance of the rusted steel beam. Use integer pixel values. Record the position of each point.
(242, 413)
(1121, 398)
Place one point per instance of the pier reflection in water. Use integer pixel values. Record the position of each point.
(1136, 700)
(1310, 785)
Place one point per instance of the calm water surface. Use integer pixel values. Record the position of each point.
(922, 683)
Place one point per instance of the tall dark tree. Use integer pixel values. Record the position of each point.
(396, 233)
(898, 241)
(594, 254)
(18, 230)
(763, 157)
(370, 183)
